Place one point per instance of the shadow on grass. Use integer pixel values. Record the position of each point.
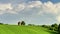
(52, 32)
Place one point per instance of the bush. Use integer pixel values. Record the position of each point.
(51, 28)
(46, 26)
(56, 28)
(31, 25)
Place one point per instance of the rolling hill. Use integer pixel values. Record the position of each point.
(14, 29)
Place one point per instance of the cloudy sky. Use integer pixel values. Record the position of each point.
(30, 11)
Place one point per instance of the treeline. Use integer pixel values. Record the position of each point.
(3, 24)
(53, 27)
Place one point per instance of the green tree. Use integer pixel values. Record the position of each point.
(19, 23)
(22, 23)
(59, 28)
(54, 27)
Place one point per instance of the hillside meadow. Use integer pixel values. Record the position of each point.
(15, 29)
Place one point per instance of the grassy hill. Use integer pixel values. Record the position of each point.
(14, 29)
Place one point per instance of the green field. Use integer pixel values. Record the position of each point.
(14, 29)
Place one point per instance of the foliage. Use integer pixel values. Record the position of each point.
(31, 25)
(59, 28)
(22, 23)
(54, 27)
(19, 23)
(46, 26)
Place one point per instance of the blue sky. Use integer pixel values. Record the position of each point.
(30, 11)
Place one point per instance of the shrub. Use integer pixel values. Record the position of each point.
(31, 24)
(46, 26)
(51, 28)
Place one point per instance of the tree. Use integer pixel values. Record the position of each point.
(19, 23)
(59, 28)
(22, 23)
(54, 27)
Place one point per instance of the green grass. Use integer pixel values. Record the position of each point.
(14, 29)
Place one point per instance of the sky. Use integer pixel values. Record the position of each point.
(31, 11)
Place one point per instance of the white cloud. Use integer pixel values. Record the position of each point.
(20, 7)
(58, 19)
(5, 6)
(51, 8)
(47, 7)
(35, 4)
(8, 8)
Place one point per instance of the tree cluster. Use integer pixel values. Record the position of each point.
(21, 23)
(54, 27)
